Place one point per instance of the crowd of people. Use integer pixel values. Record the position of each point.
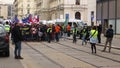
(52, 32)
(41, 32)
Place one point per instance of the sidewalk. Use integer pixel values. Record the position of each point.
(115, 42)
(117, 36)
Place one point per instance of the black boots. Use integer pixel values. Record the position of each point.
(18, 57)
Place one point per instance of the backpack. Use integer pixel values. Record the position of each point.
(109, 33)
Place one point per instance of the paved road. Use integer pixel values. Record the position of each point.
(10, 62)
(63, 54)
(115, 41)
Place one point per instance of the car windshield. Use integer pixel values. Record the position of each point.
(81, 23)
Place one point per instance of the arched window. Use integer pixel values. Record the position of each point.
(77, 15)
(77, 2)
(28, 11)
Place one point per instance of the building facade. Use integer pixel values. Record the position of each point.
(24, 7)
(108, 13)
(3, 11)
(57, 9)
(91, 12)
(6, 11)
(43, 9)
(10, 11)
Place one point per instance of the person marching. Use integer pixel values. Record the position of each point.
(49, 34)
(64, 32)
(68, 30)
(7, 27)
(99, 33)
(57, 32)
(75, 30)
(84, 33)
(93, 38)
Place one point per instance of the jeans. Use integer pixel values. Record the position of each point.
(57, 37)
(108, 40)
(17, 50)
(83, 40)
(65, 36)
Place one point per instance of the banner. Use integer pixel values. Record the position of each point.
(66, 19)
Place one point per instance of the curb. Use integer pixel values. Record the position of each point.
(114, 47)
(108, 46)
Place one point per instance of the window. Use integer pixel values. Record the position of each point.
(77, 15)
(28, 11)
(77, 2)
(28, 0)
(28, 5)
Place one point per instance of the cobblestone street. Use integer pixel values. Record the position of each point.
(63, 54)
(79, 56)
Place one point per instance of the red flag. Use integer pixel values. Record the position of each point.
(37, 18)
(30, 18)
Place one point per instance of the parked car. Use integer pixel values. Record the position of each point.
(4, 41)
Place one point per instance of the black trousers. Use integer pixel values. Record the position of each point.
(99, 38)
(74, 38)
(68, 33)
(49, 37)
(93, 47)
(57, 37)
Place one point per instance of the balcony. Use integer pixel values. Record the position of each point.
(39, 1)
(73, 6)
(52, 1)
(42, 10)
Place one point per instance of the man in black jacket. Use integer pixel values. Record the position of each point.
(99, 33)
(109, 37)
(17, 38)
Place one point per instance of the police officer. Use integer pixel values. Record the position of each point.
(49, 34)
(84, 33)
(75, 30)
(7, 27)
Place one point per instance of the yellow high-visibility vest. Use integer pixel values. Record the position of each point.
(95, 34)
(75, 30)
(7, 28)
(49, 30)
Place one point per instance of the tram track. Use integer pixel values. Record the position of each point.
(60, 44)
(59, 51)
(101, 50)
(43, 55)
(101, 45)
(84, 52)
(89, 52)
(72, 56)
